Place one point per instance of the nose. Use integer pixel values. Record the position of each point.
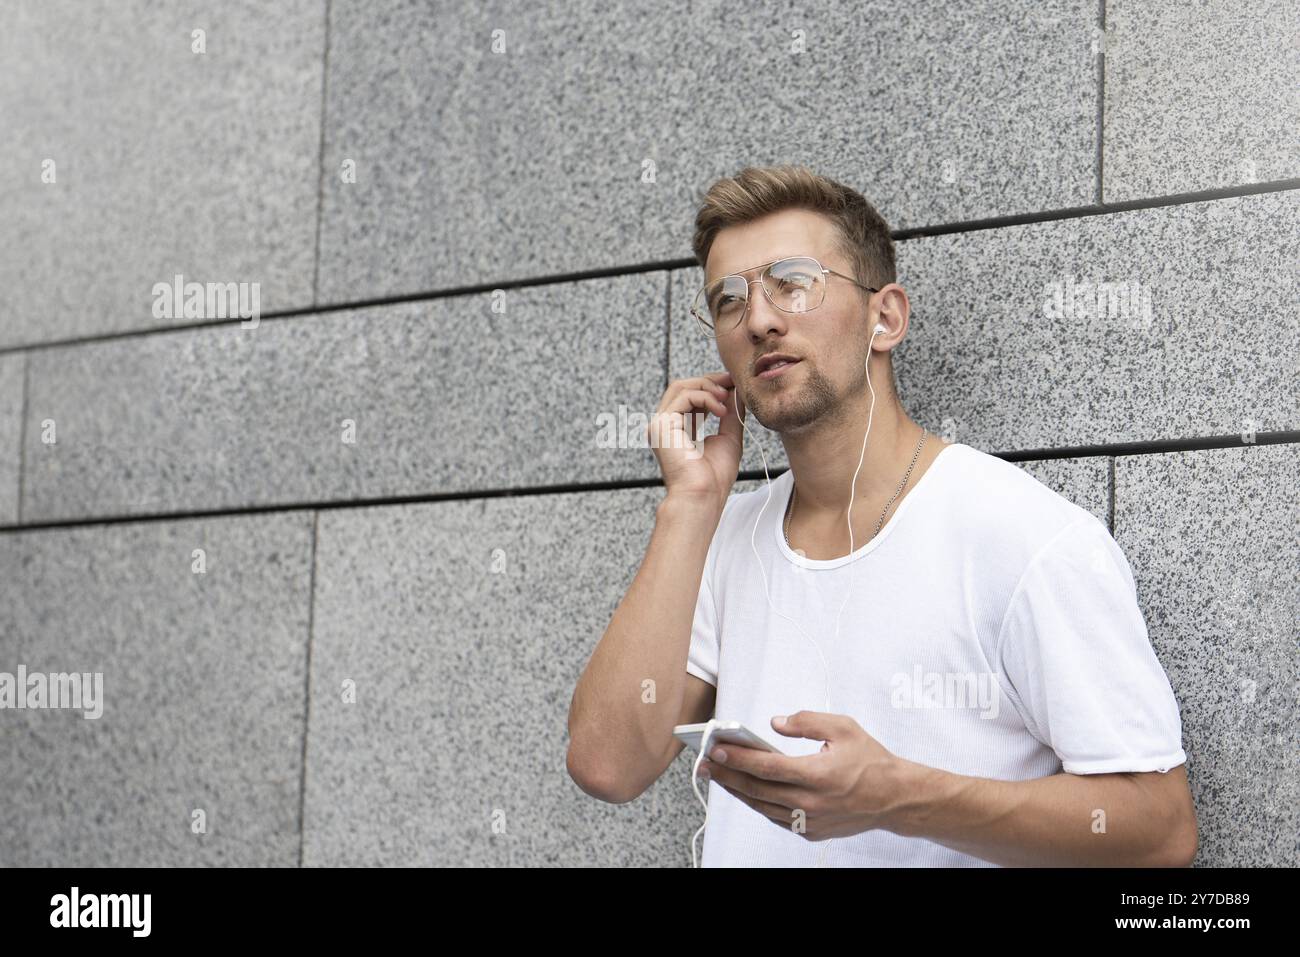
(760, 315)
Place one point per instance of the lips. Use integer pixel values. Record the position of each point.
(773, 360)
(777, 371)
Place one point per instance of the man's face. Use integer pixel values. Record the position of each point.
(830, 341)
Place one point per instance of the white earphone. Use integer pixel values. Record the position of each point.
(708, 730)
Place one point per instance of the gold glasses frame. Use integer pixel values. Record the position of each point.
(699, 304)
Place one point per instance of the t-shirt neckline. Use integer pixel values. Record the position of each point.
(828, 563)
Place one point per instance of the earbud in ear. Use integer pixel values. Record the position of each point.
(880, 328)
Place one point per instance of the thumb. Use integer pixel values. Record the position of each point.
(817, 725)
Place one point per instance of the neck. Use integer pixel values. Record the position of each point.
(823, 459)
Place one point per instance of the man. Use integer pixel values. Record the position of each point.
(994, 698)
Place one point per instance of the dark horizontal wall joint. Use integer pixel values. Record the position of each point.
(1153, 447)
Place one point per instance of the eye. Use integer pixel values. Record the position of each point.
(800, 280)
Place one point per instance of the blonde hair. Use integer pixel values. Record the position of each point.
(758, 190)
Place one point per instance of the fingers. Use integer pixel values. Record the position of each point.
(700, 398)
(763, 786)
(686, 396)
(782, 817)
(716, 384)
(690, 400)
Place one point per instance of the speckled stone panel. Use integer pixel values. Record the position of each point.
(536, 386)
(11, 412)
(1211, 538)
(1200, 96)
(1198, 333)
(203, 693)
(501, 141)
(165, 161)
(463, 627)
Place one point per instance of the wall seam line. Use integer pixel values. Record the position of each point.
(320, 160)
(668, 328)
(306, 712)
(1110, 505)
(1101, 104)
(22, 438)
(1154, 447)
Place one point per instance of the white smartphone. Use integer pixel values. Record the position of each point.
(724, 732)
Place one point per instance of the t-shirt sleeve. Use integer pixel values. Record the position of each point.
(1075, 651)
(702, 660)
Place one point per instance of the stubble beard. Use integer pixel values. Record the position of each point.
(790, 409)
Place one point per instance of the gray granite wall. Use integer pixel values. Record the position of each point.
(332, 553)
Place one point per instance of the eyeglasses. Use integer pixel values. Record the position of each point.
(796, 284)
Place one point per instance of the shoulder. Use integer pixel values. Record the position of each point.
(1002, 511)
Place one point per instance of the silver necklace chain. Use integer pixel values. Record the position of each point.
(790, 511)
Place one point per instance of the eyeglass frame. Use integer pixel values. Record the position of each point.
(766, 292)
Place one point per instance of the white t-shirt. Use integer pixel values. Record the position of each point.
(993, 630)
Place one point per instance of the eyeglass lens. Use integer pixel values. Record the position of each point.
(794, 285)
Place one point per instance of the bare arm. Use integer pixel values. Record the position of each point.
(620, 725)
(1075, 820)
(635, 688)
